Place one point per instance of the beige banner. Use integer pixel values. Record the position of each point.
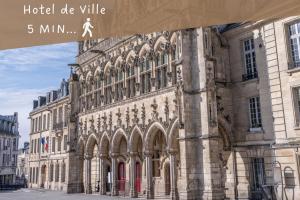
(36, 22)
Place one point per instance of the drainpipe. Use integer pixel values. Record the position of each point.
(235, 174)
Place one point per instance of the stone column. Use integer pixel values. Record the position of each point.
(133, 192)
(102, 175)
(114, 188)
(149, 189)
(173, 168)
(88, 188)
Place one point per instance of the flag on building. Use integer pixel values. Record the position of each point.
(44, 143)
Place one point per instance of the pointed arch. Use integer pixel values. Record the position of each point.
(144, 49)
(104, 144)
(151, 132)
(173, 135)
(117, 137)
(130, 55)
(135, 135)
(90, 144)
(107, 67)
(160, 40)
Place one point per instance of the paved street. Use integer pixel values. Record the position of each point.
(29, 194)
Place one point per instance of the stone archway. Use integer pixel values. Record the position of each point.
(136, 162)
(119, 157)
(105, 166)
(92, 164)
(156, 153)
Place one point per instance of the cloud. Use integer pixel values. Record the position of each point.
(20, 100)
(28, 59)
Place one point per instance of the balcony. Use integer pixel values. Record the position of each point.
(249, 76)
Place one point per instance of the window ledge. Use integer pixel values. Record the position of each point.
(293, 70)
(297, 127)
(250, 81)
(258, 130)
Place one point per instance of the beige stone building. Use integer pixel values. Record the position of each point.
(48, 140)
(9, 139)
(206, 113)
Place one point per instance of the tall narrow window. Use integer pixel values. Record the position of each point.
(98, 91)
(108, 87)
(53, 145)
(296, 92)
(65, 142)
(255, 113)
(59, 144)
(161, 70)
(257, 173)
(119, 84)
(249, 59)
(145, 75)
(294, 33)
(130, 81)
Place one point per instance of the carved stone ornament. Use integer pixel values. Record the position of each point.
(104, 125)
(154, 106)
(135, 111)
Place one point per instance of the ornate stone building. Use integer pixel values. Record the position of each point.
(9, 139)
(206, 113)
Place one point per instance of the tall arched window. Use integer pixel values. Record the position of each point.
(98, 90)
(119, 83)
(145, 75)
(130, 81)
(89, 93)
(161, 70)
(108, 87)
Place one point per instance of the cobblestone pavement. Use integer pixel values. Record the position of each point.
(39, 194)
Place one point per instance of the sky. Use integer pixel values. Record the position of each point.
(27, 73)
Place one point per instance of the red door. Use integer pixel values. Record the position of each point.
(138, 177)
(121, 178)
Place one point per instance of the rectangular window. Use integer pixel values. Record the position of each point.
(255, 114)
(257, 173)
(296, 93)
(48, 121)
(65, 142)
(53, 144)
(249, 60)
(294, 38)
(44, 122)
(59, 144)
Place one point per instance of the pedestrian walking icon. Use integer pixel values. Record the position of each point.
(87, 27)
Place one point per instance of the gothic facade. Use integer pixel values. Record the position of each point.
(206, 113)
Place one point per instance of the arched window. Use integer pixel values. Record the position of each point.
(108, 87)
(98, 90)
(145, 75)
(130, 81)
(161, 70)
(119, 83)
